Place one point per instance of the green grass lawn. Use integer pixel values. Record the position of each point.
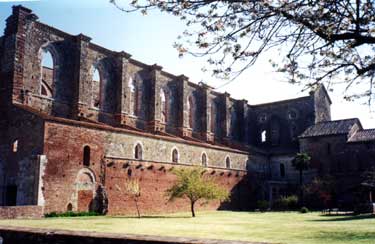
(274, 227)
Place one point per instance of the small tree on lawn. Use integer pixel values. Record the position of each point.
(301, 162)
(192, 184)
(134, 191)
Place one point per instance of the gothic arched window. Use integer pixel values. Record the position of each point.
(175, 156)
(227, 163)
(163, 106)
(138, 152)
(48, 74)
(204, 160)
(96, 89)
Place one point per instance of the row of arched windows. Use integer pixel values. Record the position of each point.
(138, 155)
(100, 93)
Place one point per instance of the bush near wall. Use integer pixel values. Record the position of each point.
(286, 203)
(71, 214)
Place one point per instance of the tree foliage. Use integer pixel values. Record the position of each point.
(369, 178)
(301, 162)
(320, 40)
(321, 192)
(194, 185)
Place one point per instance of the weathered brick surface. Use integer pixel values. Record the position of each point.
(112, 165)
(21, 212)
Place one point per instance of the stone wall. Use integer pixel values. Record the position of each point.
(21, 212)
(281, 121)
(19, 166)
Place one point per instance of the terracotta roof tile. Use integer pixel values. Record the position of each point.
(363, 135)
(335, 127)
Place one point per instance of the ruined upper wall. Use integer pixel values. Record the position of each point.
(129, 93)
(280, 122)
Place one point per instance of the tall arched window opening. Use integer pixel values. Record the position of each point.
(15, 146)
(163, 106)
(96, 89)
(133, 90)
(86, 156)
(263, 136)
(175, 156)
(138, 152)
(233, 121)
(190, 103)
(204, 160)
(48, 74)
(282, 170)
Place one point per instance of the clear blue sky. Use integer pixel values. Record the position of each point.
(150, 38)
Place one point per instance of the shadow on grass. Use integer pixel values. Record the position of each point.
(152, 217)
(344, 236)
(345, 217)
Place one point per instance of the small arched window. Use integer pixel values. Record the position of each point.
(96, 81)
(263, 136)
(138, 152)
(227, 163)
(48, 73)
(175, 156)
(282, 170)
(86, 156)
(204, 160)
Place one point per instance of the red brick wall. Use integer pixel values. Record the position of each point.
(154, 180)
(64, 150)
(21, 212)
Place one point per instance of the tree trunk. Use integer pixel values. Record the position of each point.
(136, 205)
(192, 209)
(300, 187)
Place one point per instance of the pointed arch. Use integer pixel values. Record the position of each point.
(191, 111)
(175, 155)
(138, 151)
(48, 63)
(133, 98)
(227, 162)
(204, 160)
(96, 89)
(164, 105)
(233, 121)
(282, 170)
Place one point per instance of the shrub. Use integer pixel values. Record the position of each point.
(286, 203)
(363, 208)
(70, 214)
(262, 205)
(304, 210)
